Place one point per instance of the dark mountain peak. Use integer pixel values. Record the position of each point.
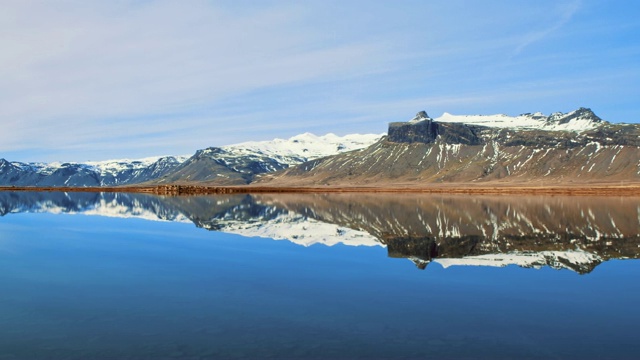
(420, 116)
(585, 111)
(427, 131)
(208, 152)
(5, 165)
(167, 160)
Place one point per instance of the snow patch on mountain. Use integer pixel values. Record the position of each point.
(303, 147)
(113, 167)
(40, 167)
(578, 120)
(104, 168)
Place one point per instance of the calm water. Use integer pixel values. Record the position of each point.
(91, 276)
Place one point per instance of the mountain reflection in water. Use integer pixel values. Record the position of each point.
(576, 233)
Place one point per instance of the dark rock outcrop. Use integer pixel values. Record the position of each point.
(423, 129)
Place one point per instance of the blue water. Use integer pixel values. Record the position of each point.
(89, 287)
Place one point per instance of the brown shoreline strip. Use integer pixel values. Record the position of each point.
(173, 190)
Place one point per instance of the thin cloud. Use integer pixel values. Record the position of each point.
(69, 70)
(565, 16)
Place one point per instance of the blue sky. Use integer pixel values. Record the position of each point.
(84, 80)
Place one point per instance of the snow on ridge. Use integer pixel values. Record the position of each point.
(294, 150)
(104, 167)
(40, 167)
(554, 122)
(143, 161)
(306, 146)
(114, 166)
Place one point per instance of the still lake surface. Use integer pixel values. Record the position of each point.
(104, 276)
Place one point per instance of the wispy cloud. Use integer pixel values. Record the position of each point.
(69, 66)
(566, 13)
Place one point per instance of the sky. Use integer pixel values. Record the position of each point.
(96, 80)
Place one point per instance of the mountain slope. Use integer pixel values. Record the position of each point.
(528, 148)
(576, 147)
(103, 173)
(239, 164)
(233, 164)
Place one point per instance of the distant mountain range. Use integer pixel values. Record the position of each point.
(533, 232)
(561, 148)
(105, 173)
(229, 165)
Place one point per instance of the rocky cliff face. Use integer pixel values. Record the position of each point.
(422, 129)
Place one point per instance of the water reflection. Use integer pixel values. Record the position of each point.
(575, 233)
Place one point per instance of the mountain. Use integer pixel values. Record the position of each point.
(233, 164)
(239, 164)
(575, 233)
(562, 148)
(103, 173)
(576, 147)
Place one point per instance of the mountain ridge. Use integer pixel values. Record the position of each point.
(577, 147)
(230, 164)
(560, 148)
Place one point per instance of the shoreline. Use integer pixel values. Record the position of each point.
(475, 189)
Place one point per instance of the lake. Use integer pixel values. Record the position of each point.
(126, 276)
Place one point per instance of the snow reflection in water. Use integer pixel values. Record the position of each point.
(575, 233)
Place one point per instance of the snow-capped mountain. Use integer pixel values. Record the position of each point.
(577, 147)
(228, 164)
(102, 173)
(303, 147)
(560, 148)
(239, 164)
